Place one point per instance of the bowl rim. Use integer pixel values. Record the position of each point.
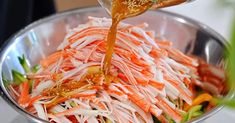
(174, 16)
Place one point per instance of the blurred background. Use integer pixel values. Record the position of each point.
(63, 5)
(16, 14)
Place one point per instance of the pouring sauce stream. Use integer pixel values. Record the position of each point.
(122, 9)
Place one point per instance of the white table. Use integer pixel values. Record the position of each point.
(205, 11)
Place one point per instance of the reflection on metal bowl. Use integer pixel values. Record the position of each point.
(41, 38)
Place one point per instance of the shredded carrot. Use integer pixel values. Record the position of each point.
(34, 99)
(24, 96)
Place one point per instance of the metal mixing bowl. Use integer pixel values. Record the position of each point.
(41, 38)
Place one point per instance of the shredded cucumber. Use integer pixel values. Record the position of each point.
(24, 64)
(35, 68)
(18, 78)
(193, 112)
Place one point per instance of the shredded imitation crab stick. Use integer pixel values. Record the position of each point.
(147, 77)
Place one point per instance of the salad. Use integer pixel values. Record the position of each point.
(149, 80)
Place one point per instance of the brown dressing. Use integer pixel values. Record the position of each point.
(122, 9)
(89, 80)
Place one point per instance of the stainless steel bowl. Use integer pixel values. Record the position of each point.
(42, 37)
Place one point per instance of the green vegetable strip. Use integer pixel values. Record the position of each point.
(18, 78)
(24, 64)
(193, 112)
(35, 68)
(198, 113)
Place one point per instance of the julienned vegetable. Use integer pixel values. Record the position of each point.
(24, 64)
(149, 81)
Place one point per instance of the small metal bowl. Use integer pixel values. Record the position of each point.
(41, 38)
